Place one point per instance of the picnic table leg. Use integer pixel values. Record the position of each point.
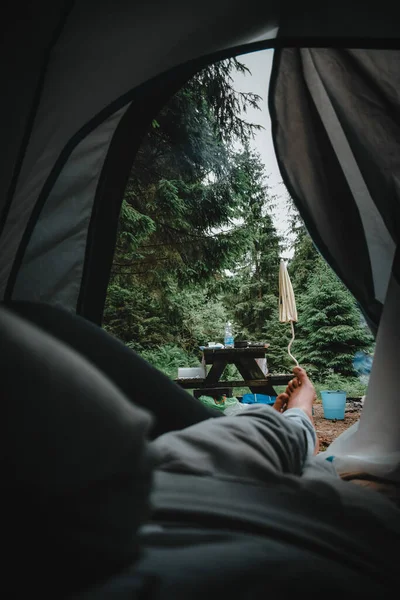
(249, 369)
(215, 372)
(212, 380)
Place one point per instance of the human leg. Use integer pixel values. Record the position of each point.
(255, 444)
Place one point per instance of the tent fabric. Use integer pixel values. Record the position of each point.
(374, 446)
(336, 127)
(28, 31)
(54, 258)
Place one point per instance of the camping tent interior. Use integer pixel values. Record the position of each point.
(84, 79)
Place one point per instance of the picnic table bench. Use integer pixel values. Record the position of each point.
(246, 363)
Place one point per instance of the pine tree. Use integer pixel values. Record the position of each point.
(177, 230)
(252, 294)
(306, 256)
(183, 187)
(331, 328)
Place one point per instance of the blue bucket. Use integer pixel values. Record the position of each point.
(334, 404)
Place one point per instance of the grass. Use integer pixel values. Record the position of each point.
(353, 386)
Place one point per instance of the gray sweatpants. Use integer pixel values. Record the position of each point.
(263, 446)
(260, 463)
(256, 444)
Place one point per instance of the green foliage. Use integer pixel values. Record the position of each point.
(169, 358)
(193, 319)
(202, 321)
(213, 89)
(184, 317)
(133, 229)
(184, 193)
(180, 224)
(306, 256)
(330, 328)
(353, 386)
(304, 262)
(133, 315)
(279, 335)
(252, 294)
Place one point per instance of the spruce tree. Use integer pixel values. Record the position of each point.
(331, 329)
(253, 293)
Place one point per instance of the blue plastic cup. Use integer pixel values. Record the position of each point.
(334, 404)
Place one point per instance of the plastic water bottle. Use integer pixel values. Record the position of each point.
(228, 339)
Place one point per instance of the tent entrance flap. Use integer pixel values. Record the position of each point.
(336, 131)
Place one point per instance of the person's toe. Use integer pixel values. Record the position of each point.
(281, 402)
(303, 379)
(301, 375)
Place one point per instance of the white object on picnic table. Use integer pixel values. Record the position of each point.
(191, 372)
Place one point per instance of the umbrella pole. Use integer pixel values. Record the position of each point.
(290, 345)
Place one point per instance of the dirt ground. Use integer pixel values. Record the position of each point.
(329, 430)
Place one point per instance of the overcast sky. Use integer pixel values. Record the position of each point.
(260, 64)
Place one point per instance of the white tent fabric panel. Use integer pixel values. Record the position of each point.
(374, 445)
(53, 262)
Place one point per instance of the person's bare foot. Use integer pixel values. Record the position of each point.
(300, 393)
(281, 402)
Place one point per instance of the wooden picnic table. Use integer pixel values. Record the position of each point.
(249, 369)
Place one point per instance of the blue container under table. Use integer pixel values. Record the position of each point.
(258, 399)
(334, 404)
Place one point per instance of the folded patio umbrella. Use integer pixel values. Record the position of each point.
(287, 303)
